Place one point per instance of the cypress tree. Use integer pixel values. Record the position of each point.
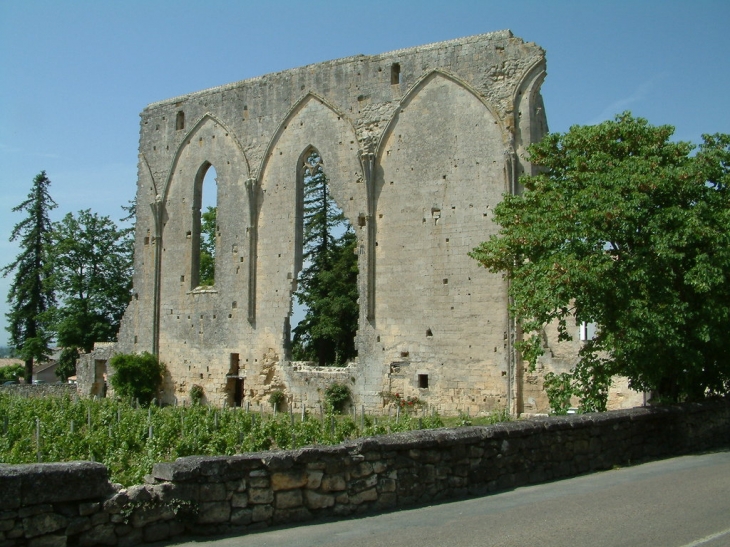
(30, 295)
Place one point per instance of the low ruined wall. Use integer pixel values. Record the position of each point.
(60, 504)
(39, 390)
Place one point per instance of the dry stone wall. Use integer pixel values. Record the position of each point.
(74, 504)
(40, 390)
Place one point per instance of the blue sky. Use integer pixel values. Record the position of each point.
(74, 75)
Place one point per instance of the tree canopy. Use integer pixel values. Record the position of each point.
(327, 285)
(92, 278)
(627, 229)
(30, 295)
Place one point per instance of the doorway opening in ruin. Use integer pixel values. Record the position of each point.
(235, 382)
(205, 229)
(324, 305)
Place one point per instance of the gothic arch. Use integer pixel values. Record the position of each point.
(419, 86)
(311, 123)
(440, 168)
(198, 126)
(530, 123)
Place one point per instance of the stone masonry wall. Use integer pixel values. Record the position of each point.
(74, 504)
(418, 145)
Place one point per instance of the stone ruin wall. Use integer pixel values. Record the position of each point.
(418, 145)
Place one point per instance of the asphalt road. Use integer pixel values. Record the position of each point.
(680, 502)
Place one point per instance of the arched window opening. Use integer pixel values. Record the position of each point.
(180, 120)
(324, 302)
(205, 229)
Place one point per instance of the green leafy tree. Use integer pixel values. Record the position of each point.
(30, 295)
(207, 247)
(92, 277)
(626, 229)
(67, 363)
(137, 376)
(11, 373)
(327, 285)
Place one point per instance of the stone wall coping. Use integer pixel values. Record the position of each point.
(31, 484)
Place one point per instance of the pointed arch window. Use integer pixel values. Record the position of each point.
(205, 228)
(326, 271)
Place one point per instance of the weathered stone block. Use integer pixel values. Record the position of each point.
(314, 479)
(48, 541)
(288, 499)
(78, 525)
(297, 514)
(258, 496)
(241, 516)
(149, 514)
(379, 467)
(262, 513)
(99, 535)
(366, 495)
(386, 500)
(15, 532)
(86, 509)
(315, 500)
(333, 483)
(215, 491)
(43, 524)
(239, 499)
(156, 532)
(34, 484)
(362, 469)
(364, 484)
(183, 469)
(122, 529)
(288, 480)
(24, 512)
(99, 518)
(214, 512)
(237, 485)
(386, 485)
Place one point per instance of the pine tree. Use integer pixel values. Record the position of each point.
(328, 283)
(30, 295)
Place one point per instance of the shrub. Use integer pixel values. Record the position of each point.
(196, 394)
(11, 372)
(276, 398)
(137, 376)
(337, 396)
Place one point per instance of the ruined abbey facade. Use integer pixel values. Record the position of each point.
(418, 146)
